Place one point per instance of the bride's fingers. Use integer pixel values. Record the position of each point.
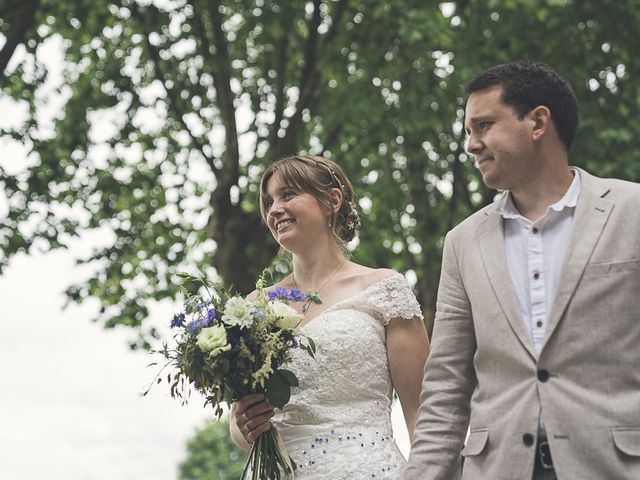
(258, 409)
(248, 401)
(239, 409)
(255, 422)
(251, 406)
(252, 415)
(256, 432)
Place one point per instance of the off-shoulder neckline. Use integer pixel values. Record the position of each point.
(350, 298)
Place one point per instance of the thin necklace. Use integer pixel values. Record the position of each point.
(306, 305)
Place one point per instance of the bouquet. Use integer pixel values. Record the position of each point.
(227, 347)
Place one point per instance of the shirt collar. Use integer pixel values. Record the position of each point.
(507, 208)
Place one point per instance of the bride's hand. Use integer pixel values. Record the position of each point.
(251, 415)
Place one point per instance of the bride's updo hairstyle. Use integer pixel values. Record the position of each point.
(316, 176)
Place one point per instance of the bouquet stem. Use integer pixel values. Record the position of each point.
(268, 459)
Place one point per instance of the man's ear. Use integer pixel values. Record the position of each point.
(542, 121)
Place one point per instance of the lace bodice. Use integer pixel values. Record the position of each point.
(337, 424)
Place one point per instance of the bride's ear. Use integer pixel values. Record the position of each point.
(335, 197)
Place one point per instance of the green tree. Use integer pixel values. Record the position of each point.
(211, 454)
(172, 109)
(18, 18)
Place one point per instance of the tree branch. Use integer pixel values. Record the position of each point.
(222, 79)
(332, 138)
(340, 9)
(172, 96)
(281, 66)
(11, 5)
(25, 19)
(200, 33)
(310, 51)
(308, 84)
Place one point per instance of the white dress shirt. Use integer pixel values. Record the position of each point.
(535, 251)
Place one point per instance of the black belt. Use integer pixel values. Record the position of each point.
(543, 454)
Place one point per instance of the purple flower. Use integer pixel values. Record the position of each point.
(207, 321)
(202, 322)
(194, 326)
(296, 295)
(278, 293)
(203, 304)
(281, 293)
(178, 320)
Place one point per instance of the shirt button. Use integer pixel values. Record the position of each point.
(543, 375)
(536, 275)
(534, 230)
(528, 439)
(539, 324)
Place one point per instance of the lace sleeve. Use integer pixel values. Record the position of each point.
(392, 298)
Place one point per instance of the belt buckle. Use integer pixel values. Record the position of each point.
(545, 455)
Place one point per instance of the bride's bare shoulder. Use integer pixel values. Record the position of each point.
(366, 276)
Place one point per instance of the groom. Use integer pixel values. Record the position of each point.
(536, 344)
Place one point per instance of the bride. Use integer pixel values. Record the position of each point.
(368, 330)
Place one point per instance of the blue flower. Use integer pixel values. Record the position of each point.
(178, 320)
(202, 322)
(296, 295)
(194, 326)
(278, 293)
(203, 304)
(281, 293)
(211, 315)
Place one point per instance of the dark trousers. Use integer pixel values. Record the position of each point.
(543, 457)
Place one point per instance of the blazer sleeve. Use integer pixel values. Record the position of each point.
(448, 382)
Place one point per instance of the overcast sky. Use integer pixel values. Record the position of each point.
(69, 390)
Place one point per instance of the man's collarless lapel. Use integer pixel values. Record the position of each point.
(590, 218)
(491, 242)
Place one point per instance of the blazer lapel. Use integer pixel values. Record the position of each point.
(491, 241)
(590, 218)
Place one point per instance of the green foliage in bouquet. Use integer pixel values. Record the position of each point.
(227, 347)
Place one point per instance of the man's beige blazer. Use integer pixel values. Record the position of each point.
(483, 373)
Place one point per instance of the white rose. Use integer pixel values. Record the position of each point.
(238, 311)
(213, 340)
(286, 317)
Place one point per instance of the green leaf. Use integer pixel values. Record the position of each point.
(278, 391)
(292, 380)
(312, 345)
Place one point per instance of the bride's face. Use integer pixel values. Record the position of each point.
(295, 218)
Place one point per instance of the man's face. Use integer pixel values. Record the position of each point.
(500, 142)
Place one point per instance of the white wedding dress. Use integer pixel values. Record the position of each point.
(337, 424)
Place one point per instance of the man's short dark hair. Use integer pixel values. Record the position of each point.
(527, 84)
